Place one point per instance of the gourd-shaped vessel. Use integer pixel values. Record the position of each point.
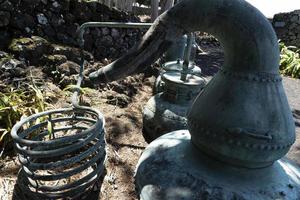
(243, 110)
(167, 110)
(239, 126)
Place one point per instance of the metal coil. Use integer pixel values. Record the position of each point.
(62, 152)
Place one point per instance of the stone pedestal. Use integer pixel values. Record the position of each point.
(172, 168)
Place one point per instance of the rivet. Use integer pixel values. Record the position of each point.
(273, 147)
(282, 193)
(269, 147)
(280, 147)
(207, 132)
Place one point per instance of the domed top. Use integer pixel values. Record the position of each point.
(175, 78)
(181, 92)
(178, 65)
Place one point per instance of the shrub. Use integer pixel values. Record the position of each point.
(16, 103)
(289, 61)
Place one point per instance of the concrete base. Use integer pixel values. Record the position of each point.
(172, 168)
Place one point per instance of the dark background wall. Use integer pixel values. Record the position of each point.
(57, 21)
(287, 27)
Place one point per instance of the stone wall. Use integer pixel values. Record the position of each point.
(287, 27)
(58, 20)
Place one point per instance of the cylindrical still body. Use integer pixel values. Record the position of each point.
(166, 111)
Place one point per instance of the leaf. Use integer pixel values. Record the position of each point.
(73, 88)
(289, 61)
(3, 134)
(49, 128)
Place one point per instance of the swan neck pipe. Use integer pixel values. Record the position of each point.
(247, 37)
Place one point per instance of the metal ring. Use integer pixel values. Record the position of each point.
(76, 149)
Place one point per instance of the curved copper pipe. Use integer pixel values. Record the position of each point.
(247, 37)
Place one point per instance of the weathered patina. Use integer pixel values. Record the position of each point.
(167, 111)
(243, 109)
(241, 118)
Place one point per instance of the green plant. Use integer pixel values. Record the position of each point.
(16, 103)
(289, 60)
(82, 90)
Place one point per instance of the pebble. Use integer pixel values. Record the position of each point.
(42, 19)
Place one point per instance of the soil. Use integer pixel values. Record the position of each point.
(121, 103)
(123, 135)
